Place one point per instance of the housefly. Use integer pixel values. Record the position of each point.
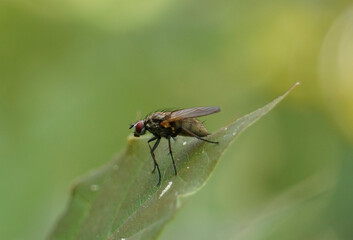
(171, 124)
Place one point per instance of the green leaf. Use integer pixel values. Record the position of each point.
(121, 199)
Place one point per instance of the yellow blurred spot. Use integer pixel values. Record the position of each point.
(336, 71)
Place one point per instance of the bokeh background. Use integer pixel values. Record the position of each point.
(74, 74)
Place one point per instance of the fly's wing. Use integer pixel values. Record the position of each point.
(192, 113)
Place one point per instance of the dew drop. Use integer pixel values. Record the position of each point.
(184, 143)
(166, 189)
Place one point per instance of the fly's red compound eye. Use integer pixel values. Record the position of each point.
(140, 127)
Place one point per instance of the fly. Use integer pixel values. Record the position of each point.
(171, 124)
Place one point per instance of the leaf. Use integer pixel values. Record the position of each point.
(121, 199)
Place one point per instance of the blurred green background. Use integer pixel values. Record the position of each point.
(74, 74)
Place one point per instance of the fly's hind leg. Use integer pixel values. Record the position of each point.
(198, 137)
(156, 166)
(171, 154)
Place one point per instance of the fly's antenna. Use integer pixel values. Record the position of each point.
(131, 125)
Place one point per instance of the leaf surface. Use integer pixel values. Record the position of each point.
(121, 200)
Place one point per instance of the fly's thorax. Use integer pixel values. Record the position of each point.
(158, 116)
(153, 120)
(153, 124)
(193, 125)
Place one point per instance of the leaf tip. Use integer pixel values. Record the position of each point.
(292, 87)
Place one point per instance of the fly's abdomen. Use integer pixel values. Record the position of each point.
(193, 125)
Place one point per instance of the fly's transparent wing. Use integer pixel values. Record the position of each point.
(192, 113)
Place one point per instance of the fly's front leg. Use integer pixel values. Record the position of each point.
(152, 151)
(156, 166)
(171, 154)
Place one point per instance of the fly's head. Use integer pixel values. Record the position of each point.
(139, 128)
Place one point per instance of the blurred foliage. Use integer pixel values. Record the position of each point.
(74, 74)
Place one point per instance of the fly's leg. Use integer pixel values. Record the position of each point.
(152, 152)
(198, 137)
(171, 154)
(156, 166)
